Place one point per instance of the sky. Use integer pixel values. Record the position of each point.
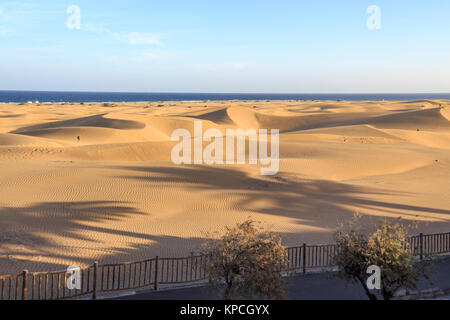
(252, 46)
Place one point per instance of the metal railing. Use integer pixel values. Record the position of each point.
(157, 271)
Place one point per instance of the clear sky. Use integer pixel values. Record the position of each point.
(272, 46)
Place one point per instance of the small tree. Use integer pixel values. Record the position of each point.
(245, 262)
(386, 247)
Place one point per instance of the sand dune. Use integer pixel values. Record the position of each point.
(428, 120)
(91, 121)
(244, 117)
(115, 195)
(9, 139)
(445, 112)
(219, 116)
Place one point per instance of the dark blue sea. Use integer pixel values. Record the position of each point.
(60, 96)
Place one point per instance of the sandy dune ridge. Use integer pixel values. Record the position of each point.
(115, 195)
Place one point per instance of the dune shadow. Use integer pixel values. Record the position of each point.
(315, 204)
(32, 247)
(67, 220)
(90, 121)
(288, 195)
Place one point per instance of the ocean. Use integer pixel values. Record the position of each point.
(60, 96)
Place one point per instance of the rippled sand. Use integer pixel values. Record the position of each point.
(115, 195)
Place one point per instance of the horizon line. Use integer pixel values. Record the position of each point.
(202, 92)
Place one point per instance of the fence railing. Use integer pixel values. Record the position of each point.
(105, 278)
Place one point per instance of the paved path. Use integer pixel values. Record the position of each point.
(317, 286)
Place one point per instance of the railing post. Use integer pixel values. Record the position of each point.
(421, 246)
(25, 285)
(156, 273)
(304, 258)
(192, 267)
(94, 292)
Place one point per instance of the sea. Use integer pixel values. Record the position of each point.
(7, 96)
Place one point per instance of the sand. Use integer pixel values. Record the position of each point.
(115, 195)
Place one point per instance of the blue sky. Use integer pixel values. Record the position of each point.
(226, 46)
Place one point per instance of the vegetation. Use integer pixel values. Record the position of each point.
(245, 262)
(386, 247)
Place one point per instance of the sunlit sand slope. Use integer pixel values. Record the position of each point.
(86, 182)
